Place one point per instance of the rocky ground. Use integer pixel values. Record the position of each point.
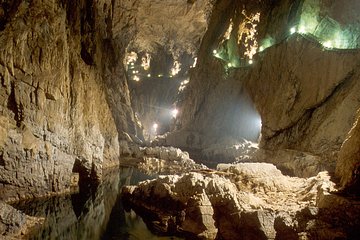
(246, 200)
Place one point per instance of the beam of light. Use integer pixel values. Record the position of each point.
(292, 30)
(229, 30)
(302, 30)
(176, 68)
(145, 61)
(266, 43)
(327, 44)
(258, 123)
(131, 57)
(183, 85)
(174, 112)
(195, 61)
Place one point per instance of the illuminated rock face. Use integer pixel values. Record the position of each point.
(243, 201)
(305, 93)
(348, 165)
(63, 95)
(178, 26)
(169, 35)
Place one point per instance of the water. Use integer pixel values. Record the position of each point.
(95, 214)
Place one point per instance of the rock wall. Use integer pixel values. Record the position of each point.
(166, 33)
(64, 98)
(348, 165)
(304, 90)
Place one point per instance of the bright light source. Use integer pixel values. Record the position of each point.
(149, 75)
(327, 44)
(261, 49)
(132, 64)
(136, 78)
(155, 126)
(160, 75)
(214, 52)
(229, 30)
(145, 61)
(229, 65)
(292, 30)
(130, 58)
(183, 85)
(251, 62)
(195, 61)
(258, 123)
(174, 112)
(175, 69)
(302, 30)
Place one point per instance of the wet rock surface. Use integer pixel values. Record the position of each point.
(247, 200)
(64, 98)
(11, 220)
(305, 93)
(14, 224)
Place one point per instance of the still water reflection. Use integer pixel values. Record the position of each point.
(97, 213)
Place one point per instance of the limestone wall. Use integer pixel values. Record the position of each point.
(63, 95)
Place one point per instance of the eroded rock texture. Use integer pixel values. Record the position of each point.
(64, 100)
(244, 201)
(303, 86)
(348, 165)
(167, 33)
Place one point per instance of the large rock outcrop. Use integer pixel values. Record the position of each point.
(303, 85)
(64, 99)
(348, 164)
(243, 201)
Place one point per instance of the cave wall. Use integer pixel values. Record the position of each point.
(64, 98)
(166, 32)
(305, 93)
(348, 166)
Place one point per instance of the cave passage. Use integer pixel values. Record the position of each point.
(179, 119)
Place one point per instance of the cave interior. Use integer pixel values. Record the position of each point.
(181, 119)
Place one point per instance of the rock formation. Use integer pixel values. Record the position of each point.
(64, 99)
(167, 37)
(348, 165)
(283, 72)
(247, 200)
(303, 86)
(166, 160)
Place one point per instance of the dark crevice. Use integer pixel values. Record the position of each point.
(2, 161)
(8, 9)
(14, 107)
(353, 189)
(87, 27)
(85, 55)
(86, 174)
